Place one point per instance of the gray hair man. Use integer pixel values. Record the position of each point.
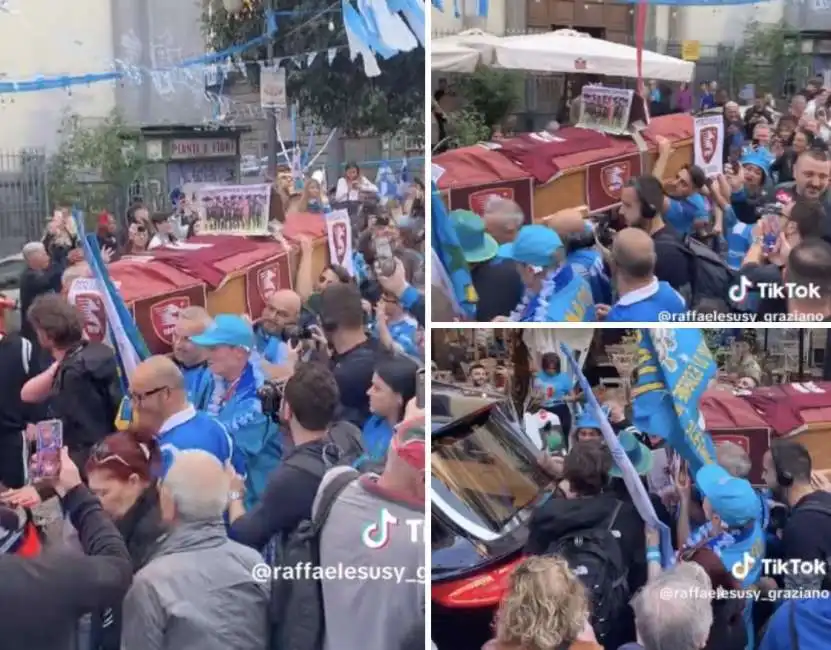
(674, 610)
(196, 569)
(41, 276)
(734, 459)
(503, 219)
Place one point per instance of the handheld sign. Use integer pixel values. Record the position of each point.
(709, 143)
(339, 234)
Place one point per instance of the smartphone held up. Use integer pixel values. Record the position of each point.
(46, 462)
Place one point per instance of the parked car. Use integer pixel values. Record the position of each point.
(485, 484)
(11, 268)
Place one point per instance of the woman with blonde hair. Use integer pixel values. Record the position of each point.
(546, 608)
(313, 198)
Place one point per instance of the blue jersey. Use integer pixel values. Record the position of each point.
(199, 384)
(684, 214)
(553, 387)
(647, 304)
(588, 262)
(404, 333)
(192, 429)
(565, 297)
(739, 237)
(376, 436)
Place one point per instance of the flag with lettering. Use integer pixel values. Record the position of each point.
(634, 485)
(674, 368)
(447, 248)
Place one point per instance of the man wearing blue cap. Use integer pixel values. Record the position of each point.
(733, 530)
(237, 378)
(554, 291)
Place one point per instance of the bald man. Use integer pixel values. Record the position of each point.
(160, 403)
(191, 359)
(641, 297)
(281, 313)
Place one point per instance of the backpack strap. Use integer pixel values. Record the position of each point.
(615, 512)
(815, 507)
(794, 634)
(307, 463)
(330, 494)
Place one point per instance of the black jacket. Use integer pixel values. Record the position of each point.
(558, 517)
(37, 283)
(86, 394)
(141, 528)
(43, 597)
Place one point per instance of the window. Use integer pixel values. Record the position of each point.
(485, 472)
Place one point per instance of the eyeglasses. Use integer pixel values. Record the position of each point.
(138, 398)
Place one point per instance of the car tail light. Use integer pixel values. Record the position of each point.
(483, 590)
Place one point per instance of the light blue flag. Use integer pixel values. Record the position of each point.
(128, 344)
(673, 370)
(634, 485)
(482, 8)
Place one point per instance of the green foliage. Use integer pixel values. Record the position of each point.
(93, 164)
(339, 95)
(769, 55)
(492, 93)
(467, 127)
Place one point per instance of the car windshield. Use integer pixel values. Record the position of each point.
(484, 471)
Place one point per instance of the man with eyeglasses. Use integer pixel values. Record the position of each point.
(160, 402)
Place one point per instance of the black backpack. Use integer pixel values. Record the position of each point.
(296, 614)
(711, 277)
(595, 557)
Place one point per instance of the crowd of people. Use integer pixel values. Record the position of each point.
(752, 243)
(594, 576)
(274, 442)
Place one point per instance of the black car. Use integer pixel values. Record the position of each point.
(485, 483)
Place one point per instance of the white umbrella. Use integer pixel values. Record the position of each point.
(566, 51)
(474, 39)
(446, 57)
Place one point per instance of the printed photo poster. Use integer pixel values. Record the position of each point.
(709, 143)
(339, 235)
(605, 109)
(234, 209)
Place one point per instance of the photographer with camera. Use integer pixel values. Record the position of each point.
(306, 409)
(274, 330)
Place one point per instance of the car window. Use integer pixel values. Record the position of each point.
(482, 469)
(10, 271)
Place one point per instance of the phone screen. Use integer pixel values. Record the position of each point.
(420, 389)
(383, 249)
(49, 441)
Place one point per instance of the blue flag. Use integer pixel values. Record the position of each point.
(673, 370)
(449, 252)
(128, 344)
(634, 485)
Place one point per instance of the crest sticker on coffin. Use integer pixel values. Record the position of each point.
(613, 178)
(165, 314)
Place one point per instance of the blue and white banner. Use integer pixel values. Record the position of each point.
(674, 368)
(634, 485)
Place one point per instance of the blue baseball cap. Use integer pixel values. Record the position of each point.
(733, 499)
(227, 329)
(534, 245)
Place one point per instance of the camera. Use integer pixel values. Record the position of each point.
(270, 395)
(293, 334)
